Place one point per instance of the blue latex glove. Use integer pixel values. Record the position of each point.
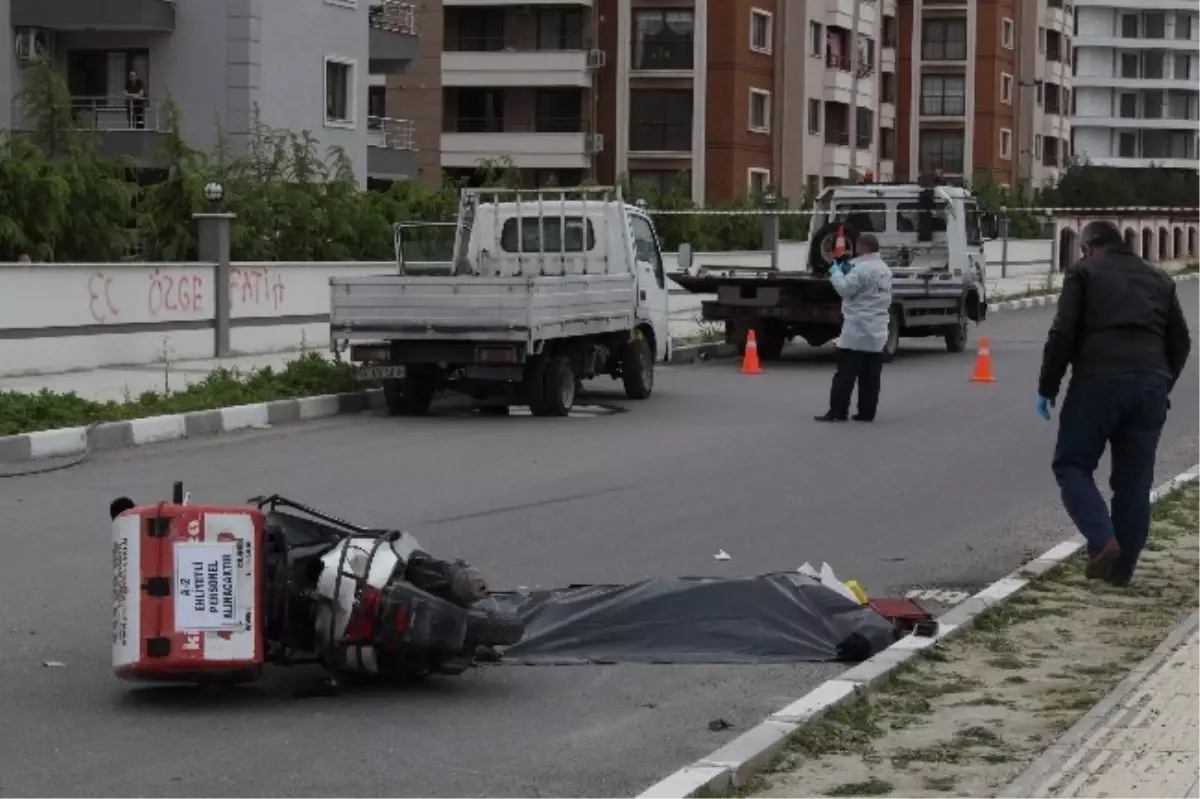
(835, 269)
(1044, 404)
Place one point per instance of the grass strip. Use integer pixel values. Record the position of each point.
(307, 376)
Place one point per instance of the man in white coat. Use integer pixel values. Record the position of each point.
(866, 292)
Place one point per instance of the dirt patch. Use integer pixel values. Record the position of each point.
(968, 717)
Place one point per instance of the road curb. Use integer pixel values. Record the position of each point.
(737, 761)
(1043, 771)
(1043, 300)
(66, 442)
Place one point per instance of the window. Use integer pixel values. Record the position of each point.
(1152, 101)
(888, 87)
(1006, 144)
(1127, 145)
(545, 234)
(645, 246)
(887, 143)
(1129, 65)
(1041, 39)
(560, 29)
(1129, 26)
(814, 116)
(865, 217)
(760, 111)
(1037, 145)
(837, 124)
(760, 31)
(1183, 25)
(864, 127)
(941, 149)
(663, 40)
(943, 95)
(660, 120)
(663, 181)
(889, 31)
(1006, 88)
(908, 217)
(1182, 66)
(1155, 26)
(1040, 93)
(1128, 106)
(757, 181)
(816, 42)
(377, 101)
(339, 91)
(944, 40)
(479, 30)
(1177, 105)
(480, 111)
(558, 111)
(1007, 33)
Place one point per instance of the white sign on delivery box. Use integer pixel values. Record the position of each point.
(206, 587)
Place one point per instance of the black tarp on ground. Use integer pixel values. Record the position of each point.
(775, 618)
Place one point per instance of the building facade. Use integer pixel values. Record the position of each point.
(1137, 101)
(984, 89)
(292, 64)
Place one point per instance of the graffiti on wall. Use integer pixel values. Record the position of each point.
(173, 293)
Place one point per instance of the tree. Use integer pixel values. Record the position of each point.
(1085, 185)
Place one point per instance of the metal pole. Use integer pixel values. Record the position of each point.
(1003, 243)
(854, 66)
(213, 247)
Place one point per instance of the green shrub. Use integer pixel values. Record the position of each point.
(307, 376)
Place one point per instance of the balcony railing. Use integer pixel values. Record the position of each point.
(394, 134)
(116, 113)
(661, 137)
(394, 16)
(942, 105)
(835, 61)
(541, 124)
(837, 137)
(500, 43)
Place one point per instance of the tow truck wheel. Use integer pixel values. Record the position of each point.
(637, 369)
(893, 334)
(558, 388)
(956, 336)
(770, 339)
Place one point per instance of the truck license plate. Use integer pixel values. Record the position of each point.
(380, 372)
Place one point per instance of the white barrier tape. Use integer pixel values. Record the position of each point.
(1145, 211)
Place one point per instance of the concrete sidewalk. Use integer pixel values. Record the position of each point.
(1141, 740)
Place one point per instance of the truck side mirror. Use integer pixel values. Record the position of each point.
(684, 257)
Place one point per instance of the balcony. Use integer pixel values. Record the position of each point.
(549, 143)
(1058, 18)
(393, 37)
(840, 14)
(663, 59)
(835, 155)
(1132, 83)
(476, 63)
(120, 129)
(143, 16)
(1135, 123)
(1128, 44)
(391, 150)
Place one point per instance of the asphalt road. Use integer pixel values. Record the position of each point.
(951, 486)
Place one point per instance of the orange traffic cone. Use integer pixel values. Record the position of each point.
(983, 363)
(839, 243)
(750, 364)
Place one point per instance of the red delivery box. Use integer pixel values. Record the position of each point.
(187, 585)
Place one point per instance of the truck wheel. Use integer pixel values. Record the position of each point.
(393, 396)
(416, 394)
(637, 369)
(893, 334)
(493, 410)
(770, 340)
(956, 336)
(558, 389)
(735, 334)
(533, 383)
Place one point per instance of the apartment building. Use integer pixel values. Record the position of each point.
(1136, 98)
(984, 89)
(297, 64)
(722, 97)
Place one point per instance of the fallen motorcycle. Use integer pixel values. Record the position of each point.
(213, 594)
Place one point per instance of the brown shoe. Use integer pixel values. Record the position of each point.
(1100, 564)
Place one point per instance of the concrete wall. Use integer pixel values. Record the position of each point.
(61, 317)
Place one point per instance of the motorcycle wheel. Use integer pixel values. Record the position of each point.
(484, 629)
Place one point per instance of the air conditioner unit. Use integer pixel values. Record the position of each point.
(33, 42)
(596, 59)
(594, 143)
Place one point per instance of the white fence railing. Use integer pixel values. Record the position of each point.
(394, 134)
(394, 16)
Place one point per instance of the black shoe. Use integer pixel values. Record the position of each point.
(1099, 566)
(829, 417)
(858, 417)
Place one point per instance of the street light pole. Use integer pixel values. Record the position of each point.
(854, 68)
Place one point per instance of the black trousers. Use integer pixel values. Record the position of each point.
(854, 366)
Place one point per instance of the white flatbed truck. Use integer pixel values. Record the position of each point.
(545, 288)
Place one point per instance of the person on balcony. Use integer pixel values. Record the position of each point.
(135, 100)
